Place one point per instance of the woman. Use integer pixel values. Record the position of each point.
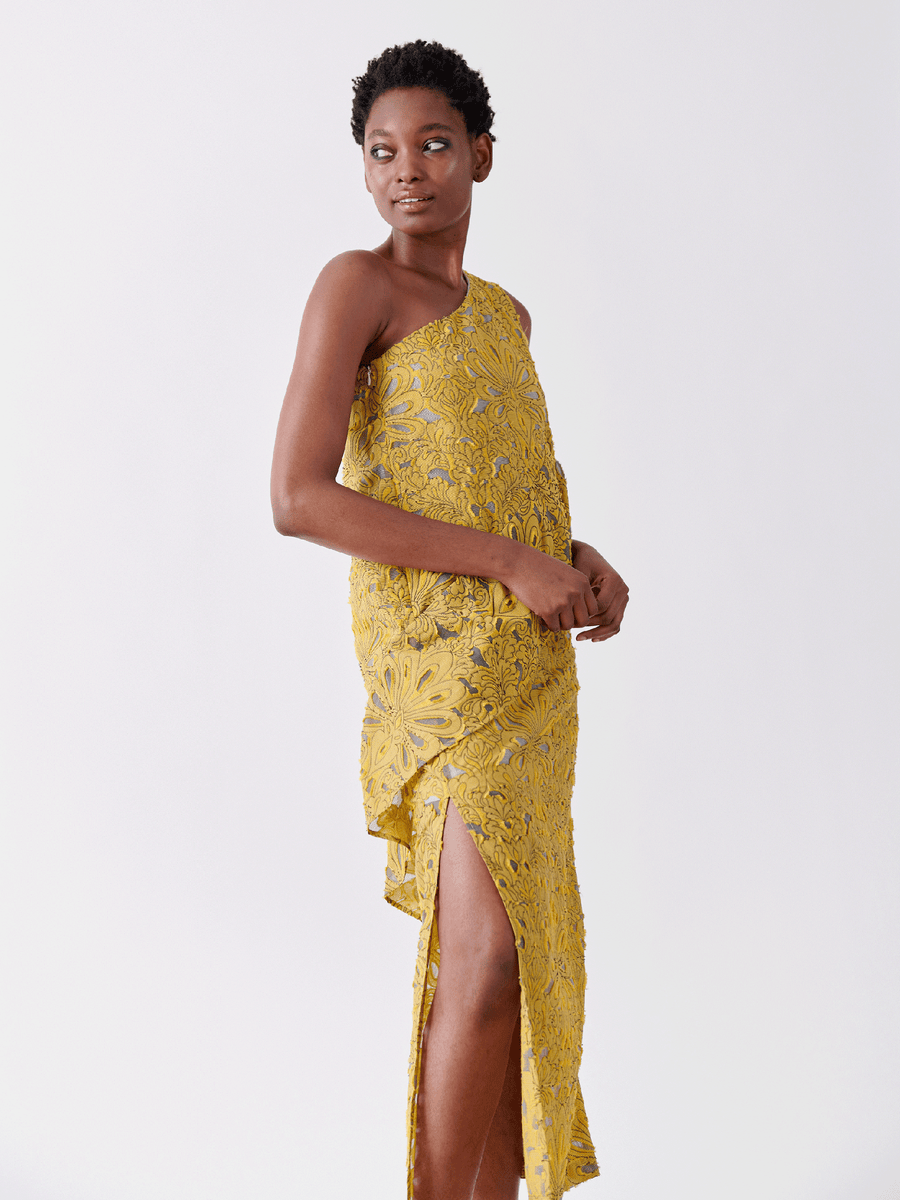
(464, 586)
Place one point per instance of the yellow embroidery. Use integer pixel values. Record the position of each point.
(470, 698)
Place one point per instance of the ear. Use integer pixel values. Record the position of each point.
(482, 157)
(365, 176)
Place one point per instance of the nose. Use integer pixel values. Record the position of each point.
(408, 166)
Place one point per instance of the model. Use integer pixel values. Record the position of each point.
(465, 584)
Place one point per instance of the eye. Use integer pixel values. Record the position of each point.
(436, 144)
(380, 153)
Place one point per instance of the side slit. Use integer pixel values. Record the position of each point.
(429, 982)
(432, 960)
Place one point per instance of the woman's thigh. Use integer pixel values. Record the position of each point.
(472, 921)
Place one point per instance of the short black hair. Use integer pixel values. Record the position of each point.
(424, 65)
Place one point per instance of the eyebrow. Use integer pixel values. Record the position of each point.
(423, 129)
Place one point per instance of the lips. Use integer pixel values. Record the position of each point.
(412, 201)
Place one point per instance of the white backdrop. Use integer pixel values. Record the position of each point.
(204, 996)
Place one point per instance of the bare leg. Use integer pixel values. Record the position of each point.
(470, 1026)
(503, 1159)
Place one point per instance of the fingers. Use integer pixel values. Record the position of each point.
(566, 598)
(582, 611)
(595, 604)
(607, 626)
(600, 629)
(596, 635)
(604, 593)
(611, 597)
(606, 623)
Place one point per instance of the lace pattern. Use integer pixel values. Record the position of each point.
(470, 698)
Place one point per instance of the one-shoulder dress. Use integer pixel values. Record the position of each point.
(470, 697)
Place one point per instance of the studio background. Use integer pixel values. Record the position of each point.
(204, 996)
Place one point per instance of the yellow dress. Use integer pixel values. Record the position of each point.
(470, 698)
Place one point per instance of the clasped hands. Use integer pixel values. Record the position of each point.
(609, 589)
(588, 595)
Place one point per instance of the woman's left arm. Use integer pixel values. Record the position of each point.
(609, 588)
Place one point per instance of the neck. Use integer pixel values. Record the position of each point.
(439, 255)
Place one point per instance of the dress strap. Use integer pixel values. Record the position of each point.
(503, 302)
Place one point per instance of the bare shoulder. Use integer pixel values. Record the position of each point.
(355, 269)
(524, 315)
(350, 303)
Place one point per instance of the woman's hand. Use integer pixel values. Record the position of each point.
(559, 594)
(608, 589)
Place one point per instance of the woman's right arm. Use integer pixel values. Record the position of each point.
(346, 311)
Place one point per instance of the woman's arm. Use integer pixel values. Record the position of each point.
(348, 308)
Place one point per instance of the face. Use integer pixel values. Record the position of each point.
(421, 162)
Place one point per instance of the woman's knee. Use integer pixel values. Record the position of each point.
(484, 973)
(499, 983)
(478, 948)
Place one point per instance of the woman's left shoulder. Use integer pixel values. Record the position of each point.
(486, 290)
(523, 313)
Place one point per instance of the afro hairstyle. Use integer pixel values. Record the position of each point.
(425, 65)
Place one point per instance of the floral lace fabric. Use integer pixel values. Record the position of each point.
(470, 698)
